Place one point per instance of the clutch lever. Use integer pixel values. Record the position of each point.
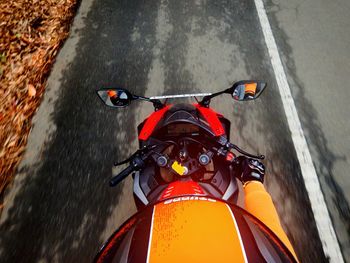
(142, 151)
(124, 161)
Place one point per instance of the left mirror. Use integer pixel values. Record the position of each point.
(117, 97)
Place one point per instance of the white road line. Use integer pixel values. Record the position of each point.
(323, 222)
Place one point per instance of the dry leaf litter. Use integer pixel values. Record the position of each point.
(31, 33)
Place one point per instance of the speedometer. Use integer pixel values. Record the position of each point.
(182, 128)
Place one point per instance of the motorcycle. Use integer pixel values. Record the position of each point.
(185, 187)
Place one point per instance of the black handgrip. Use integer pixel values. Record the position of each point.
(121, 176)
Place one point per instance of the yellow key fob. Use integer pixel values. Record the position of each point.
(181, 170)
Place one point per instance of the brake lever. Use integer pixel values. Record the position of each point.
(233, 146)
(226, 144)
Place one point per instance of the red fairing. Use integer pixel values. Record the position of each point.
(115, 239)
(212, 118)
(180, 188)
(152, 122)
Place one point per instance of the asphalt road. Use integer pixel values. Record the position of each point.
(61, 209)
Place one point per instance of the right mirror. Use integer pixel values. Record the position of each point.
(247, 90)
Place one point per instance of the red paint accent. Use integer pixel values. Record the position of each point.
(212, 118)
(230, 156)
(180, 188)
(152, 122)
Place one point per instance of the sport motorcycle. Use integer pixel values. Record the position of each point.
(185, 186)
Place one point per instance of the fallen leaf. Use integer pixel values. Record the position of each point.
(31, 90)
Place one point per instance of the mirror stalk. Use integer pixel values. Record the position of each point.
(206, 100)
(157, 104)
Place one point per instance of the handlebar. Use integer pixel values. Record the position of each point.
(138, 158)
(121, 176)
(135, 164)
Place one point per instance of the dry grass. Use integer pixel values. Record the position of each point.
(31, 33)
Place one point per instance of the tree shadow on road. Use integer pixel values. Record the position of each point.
(60, 212)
